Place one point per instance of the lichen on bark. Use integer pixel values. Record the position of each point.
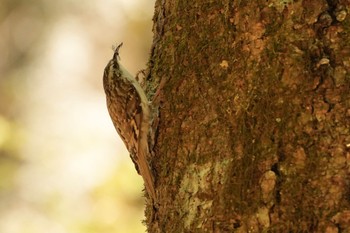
(254, 109)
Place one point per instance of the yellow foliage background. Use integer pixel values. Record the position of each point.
(63, 169)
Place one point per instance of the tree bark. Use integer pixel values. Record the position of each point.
(253, 107)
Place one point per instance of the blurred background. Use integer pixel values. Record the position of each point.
(63, 168)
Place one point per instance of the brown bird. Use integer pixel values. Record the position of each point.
(129, 109)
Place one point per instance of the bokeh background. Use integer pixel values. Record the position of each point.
(63, 169)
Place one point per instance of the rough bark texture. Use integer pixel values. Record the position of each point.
(254, 109)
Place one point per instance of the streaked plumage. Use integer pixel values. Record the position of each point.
(128, 107)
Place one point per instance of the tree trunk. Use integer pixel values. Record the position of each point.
(253, 107)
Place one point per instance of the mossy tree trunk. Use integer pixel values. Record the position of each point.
(254, 116)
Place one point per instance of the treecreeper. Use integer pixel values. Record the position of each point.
(129, 110)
